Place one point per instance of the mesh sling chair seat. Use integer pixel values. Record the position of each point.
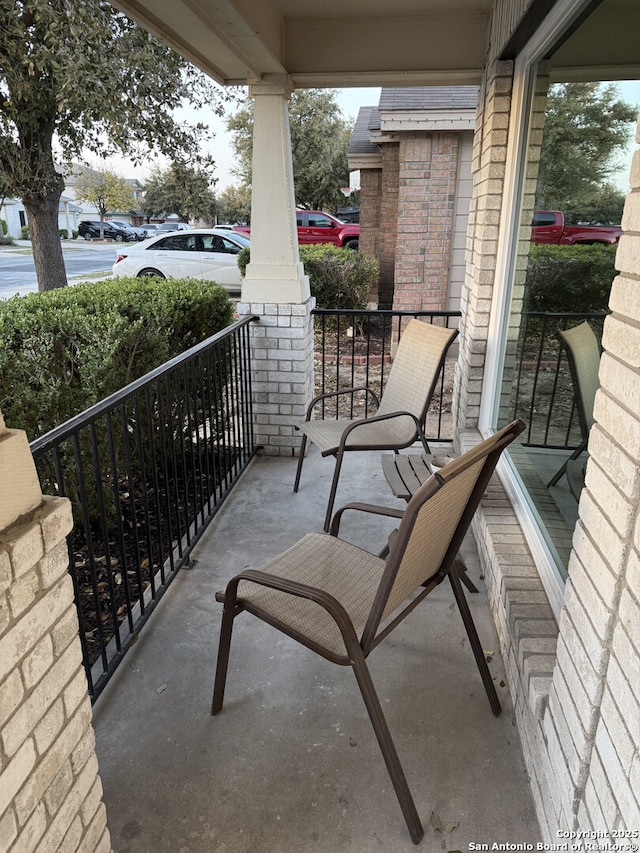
(400, 416)
(583, 355)
(340, 601)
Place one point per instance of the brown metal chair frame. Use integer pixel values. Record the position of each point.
(352, 426)
(413, 522)
(583, 355)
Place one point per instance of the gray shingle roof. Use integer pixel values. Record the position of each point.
(429, 98)
(368, 119)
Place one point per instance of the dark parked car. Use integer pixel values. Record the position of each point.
(134, 232)
(89, 229)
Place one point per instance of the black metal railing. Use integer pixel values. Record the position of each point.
(542, 388)
(146, 469)
(355, 348)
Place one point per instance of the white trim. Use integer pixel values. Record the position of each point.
(427, 120)
(507, 238)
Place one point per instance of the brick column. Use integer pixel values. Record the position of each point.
(489, 157)
(50, 792)
(282, 380)
(389, 222)
(370, 220)
(276, 287)
(428, 174)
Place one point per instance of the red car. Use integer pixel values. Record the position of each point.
(314, 226)
(548, 226)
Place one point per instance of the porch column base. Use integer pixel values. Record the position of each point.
(282, 372)
(279, 284)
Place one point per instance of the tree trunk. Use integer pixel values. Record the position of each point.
(42, 216)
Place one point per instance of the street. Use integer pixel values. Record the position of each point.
(17, 270)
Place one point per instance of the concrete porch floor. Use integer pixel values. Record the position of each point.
(291, 764)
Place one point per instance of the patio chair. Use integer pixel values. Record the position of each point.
(583, 355)
(402, 409)
(340, 601)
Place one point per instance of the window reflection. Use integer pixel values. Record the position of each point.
(553, 289)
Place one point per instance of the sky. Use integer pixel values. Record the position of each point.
(350, 101)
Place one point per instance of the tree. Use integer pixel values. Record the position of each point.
(88, 77)
(233, 205)
(586, 127)
(319, 142)
(105, 190)
(181, 189)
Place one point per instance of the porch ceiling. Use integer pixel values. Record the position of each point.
(376, 42)
(328, 44)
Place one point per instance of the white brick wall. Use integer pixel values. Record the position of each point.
(50, 792)
(282, 378)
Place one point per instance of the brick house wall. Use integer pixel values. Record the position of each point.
(415, 193)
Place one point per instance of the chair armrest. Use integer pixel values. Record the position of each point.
(388, 511)
(329, 394)
(376, 419)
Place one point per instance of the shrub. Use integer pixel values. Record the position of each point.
(4, 227)
(74, 234)
(65, 349)
(25, 232)
(63, 233)
(6, 241)
(338, 278)
(569, 278)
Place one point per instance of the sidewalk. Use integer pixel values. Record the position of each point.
(291, 764)
(20, 245)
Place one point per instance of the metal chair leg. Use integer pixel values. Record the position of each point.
(561, 471)
(332, 493)
(476, 645)
(303, 447)
(226, 628)
(387, 747)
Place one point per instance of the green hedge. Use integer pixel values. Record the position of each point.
(569, 278)
(338, 278)
(63, 350)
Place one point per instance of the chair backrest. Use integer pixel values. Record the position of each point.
(583, 354)
(434, 524)
(420, 355)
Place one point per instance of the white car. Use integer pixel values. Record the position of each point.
(201, 253)
(173, 226)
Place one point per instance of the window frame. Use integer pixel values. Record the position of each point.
(526, 67)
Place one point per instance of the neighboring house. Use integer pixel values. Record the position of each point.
(13, 212)
(135, 216)
(416, 227)
(69, 215)
(568, 633)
